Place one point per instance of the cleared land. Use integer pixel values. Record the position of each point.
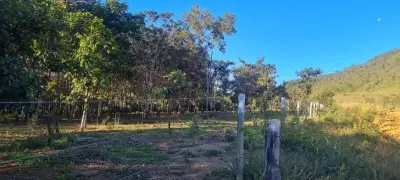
(199, 149)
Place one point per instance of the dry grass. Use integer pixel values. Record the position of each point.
(320, 150)
(149, 152)
(387, 121)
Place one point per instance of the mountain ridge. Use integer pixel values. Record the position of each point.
(379, 74)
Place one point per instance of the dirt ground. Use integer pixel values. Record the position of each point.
(149, 155)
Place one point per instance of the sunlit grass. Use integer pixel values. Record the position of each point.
(311, 149)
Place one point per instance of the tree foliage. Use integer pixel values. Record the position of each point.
(256, 80)
(73, 50)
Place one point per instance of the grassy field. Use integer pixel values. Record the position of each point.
(198, 149)
(385, 102)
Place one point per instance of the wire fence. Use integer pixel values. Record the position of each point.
(103, 111)
(125, 111)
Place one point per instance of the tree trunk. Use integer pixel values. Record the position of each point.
(169, 116)
(85, 113)
(147, 105)
(57, 112)
(178, 111)
(188, 107)
(158, 108)
(110, 111)
(73, 110)
(16, 117)
(98, 112)
(208, 86)
(69, 111)
(196, 107)
(23, 115)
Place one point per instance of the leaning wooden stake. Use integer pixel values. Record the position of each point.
(240, 137)
(271, 151)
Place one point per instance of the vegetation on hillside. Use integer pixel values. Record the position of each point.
(380, 74)
(373, 85)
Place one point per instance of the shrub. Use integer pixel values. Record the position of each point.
(194, 127)
(325, 97)
(358, 116)
(230, 135)
(253, 138)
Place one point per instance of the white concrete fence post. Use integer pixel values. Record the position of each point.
(240, 137)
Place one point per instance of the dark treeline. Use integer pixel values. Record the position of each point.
(74, 50)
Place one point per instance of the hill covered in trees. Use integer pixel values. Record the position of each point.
(378, 75)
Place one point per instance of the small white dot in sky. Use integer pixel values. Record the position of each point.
(379, 20)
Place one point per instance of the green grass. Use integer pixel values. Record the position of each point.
(137, 154)
(337, 149)
(339, 144)
(212, 153)
(221, 174)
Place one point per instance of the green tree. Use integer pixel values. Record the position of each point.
(87, 62)
(255, 80)
(221, 72)
(210, 33)
(307, 77)
(153, 50)
(175, 82)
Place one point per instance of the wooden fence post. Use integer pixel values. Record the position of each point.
(311, 104)
(298, 108)
(240, 137)
(271, 151)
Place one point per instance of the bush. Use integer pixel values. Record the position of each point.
(358, 116)
(194, 127)
(253, 138)
(230, 135)
(325, 98)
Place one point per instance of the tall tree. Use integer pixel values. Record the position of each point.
(152, 50)
(175, 82)
(210, 33)
(88, 60)
(307, 76)
(221, 73)
(255, 80)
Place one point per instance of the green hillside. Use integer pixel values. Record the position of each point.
(380, 75)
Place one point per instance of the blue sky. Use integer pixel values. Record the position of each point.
(295, 34)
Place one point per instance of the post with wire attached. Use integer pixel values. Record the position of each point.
(240, 137)
(271, 151)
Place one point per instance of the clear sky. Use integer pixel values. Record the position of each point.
(295, 34)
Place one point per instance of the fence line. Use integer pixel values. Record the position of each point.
(90, 101)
